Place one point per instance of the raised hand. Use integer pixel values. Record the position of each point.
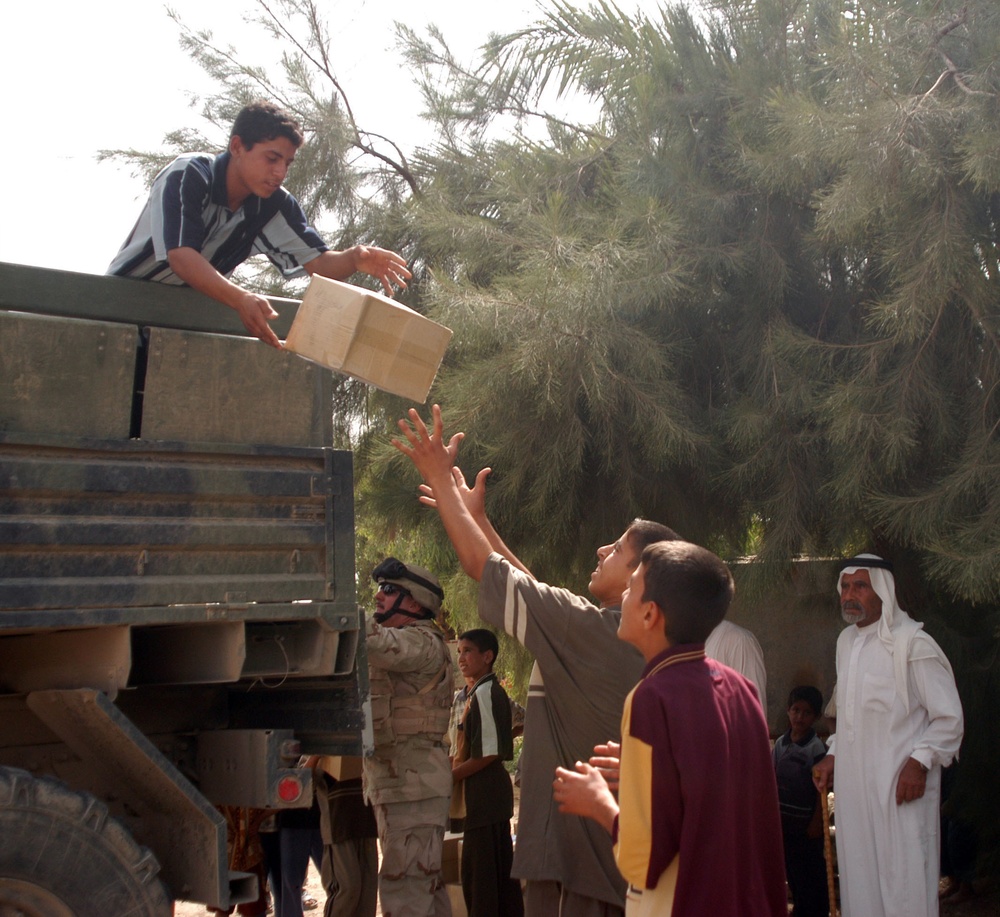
(435, 458)
(473, 497)
(385, 266)
(427, 449)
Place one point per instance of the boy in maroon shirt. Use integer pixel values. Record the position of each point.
(696, 826)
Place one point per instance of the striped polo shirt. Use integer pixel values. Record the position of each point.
(188, 207)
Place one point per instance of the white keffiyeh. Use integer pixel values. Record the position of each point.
(899, 633)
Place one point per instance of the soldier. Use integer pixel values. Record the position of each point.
(408, 778)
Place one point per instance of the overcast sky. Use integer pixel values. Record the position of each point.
(107, 74)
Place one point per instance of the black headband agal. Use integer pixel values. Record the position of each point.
(866, 562)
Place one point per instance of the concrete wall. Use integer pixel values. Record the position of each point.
(797, 626)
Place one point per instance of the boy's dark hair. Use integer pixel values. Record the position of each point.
(262, 120)
(691, 586)
(643, 532)
(810, 695)
(483, 640)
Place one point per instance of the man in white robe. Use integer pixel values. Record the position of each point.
(738, 648)
(899, 722)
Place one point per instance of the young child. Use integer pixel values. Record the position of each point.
(697, 831)
(459, 705)
(794, 755)
(484, 743)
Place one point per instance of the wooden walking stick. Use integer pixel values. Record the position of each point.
(828, 852)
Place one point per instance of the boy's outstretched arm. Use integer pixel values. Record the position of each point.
(254, 311)
(434, 460)
(475, 501)
(389, 268)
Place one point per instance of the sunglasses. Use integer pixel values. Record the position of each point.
(391, 589)
(391, 568)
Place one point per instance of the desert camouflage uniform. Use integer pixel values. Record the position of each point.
(408, 778)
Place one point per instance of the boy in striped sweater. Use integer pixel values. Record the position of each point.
(484, 742)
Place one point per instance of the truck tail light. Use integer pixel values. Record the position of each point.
(289, 789)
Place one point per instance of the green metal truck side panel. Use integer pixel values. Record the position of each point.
(209, 388)
(133, 525)
(135, 302)
(176, 553)
(81, 372)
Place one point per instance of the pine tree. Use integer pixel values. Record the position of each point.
(755, 295)
(733, 268)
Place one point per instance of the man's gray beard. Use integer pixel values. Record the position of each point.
(851, 617)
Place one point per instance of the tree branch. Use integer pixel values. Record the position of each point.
(401, 167)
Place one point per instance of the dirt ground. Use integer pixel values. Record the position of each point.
(313, 887)
(986, 902)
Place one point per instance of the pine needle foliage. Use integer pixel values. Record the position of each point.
(753, 293)
(733, 267)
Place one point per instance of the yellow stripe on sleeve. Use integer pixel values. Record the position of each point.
(635, 799)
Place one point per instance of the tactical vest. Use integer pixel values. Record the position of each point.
(402, 710)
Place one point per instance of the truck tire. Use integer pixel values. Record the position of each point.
(61, 855)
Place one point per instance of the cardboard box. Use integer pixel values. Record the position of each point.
(341, 767)
(451, 859)
(457, 898)
(368, 336)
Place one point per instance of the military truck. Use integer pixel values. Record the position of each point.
(178, 618)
